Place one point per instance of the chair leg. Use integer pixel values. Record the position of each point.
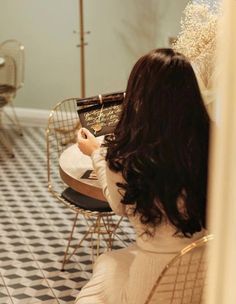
(98, 230)
(89, 231)
(77, 246)
(107, 223)
(100, 226)
(14, 119)
(3, 139)
(94, 228)
(91, 242)
(69, 241)
(105, 227)
(111, 229)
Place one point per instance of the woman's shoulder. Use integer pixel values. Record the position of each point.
(163, 238)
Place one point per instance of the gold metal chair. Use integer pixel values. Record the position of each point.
(183, 279)
(15, 49)
(61, 132)
(7, 91)
(11, 80)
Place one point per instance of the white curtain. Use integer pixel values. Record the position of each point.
(222, 211)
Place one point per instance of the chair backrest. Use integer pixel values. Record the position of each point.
(7, 78)
(15, 49)
(183, 279)
(7, 72)
(63, 124)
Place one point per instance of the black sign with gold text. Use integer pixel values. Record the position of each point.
(100, 114)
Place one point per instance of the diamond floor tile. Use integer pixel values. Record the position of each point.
(34, 229)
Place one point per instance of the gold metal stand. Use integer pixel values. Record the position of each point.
(11, 80)
(82, 44)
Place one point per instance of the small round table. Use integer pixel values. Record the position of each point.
(73, 164)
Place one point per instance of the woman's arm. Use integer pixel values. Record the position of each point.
(90, 146)
(108, 181)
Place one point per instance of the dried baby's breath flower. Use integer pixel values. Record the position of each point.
(197, 38)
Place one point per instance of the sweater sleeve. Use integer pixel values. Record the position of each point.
(108, 181)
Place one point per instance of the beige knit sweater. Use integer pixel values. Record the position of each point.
(126, 276)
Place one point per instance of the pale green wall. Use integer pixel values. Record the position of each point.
(121, 31)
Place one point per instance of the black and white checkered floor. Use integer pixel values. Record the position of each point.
(34, 229)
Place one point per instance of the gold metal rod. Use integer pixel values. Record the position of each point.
(82, 56)
(106, 98)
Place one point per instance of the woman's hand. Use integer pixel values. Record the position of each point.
(87, 143)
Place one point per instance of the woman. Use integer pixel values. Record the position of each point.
(153, 170)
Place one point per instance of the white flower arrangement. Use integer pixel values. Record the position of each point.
(197, 40)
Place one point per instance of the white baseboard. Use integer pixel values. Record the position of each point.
(31, 117)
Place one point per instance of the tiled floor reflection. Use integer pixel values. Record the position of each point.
(34, 228)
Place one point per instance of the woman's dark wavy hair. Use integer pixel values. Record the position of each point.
(160, 144)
